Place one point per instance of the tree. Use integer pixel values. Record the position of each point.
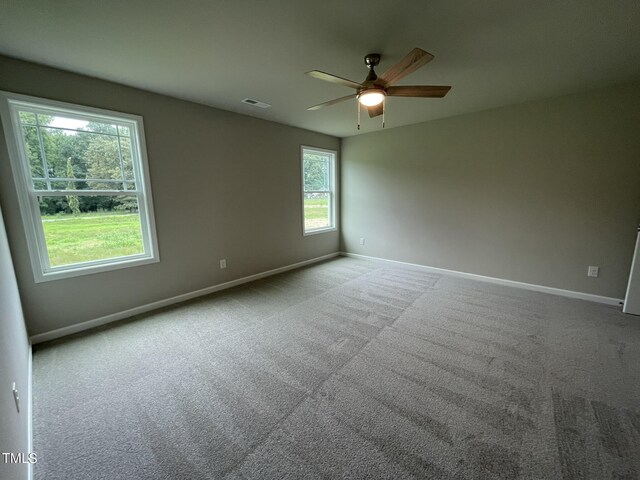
(72, 200)
(74, 146)
(316, 172)
(32, 144)
(80, 155)
(103, 161)
(129, 204)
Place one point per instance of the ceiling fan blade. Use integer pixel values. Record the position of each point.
(434, 91)
(376, 110)
(332, 102)
(415, 59)
(327, 77)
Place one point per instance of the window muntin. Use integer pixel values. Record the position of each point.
(318, 187)
(82, 180)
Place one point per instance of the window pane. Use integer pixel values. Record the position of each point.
(100, 127)
(87, 228)
(54, 142)
(77, 159)
(102, 160)
(61, 185)
(316, 211)
(27, 117)
(32, 147)
(60, 121)
(70, 123)
(123, 131)
(317, 172)
(104, 185)
(43, 119)
(125, 147)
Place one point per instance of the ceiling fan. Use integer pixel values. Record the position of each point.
(373, 91)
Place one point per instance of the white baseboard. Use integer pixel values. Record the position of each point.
(500, 281)
(79, 327)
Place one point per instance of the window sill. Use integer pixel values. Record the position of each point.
(319, 230)
(91, 269)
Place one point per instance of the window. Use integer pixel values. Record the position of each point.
(82, 180)
(319, 191)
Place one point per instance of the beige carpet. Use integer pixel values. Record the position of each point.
(347, 369)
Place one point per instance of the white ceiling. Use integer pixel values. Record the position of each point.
(493, 53)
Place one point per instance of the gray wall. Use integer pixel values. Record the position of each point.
(14, 367)
(533, 193)
(224, 186)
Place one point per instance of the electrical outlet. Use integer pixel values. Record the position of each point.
(361, 240)
(593, 271)
(223, 263)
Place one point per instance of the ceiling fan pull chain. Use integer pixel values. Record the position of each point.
(384, 108)
(358, 102)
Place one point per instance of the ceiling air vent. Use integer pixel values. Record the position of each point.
(255, 103)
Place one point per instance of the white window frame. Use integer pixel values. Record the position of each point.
(333, 191)
(10, 104)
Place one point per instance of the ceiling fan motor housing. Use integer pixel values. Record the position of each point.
(371, 60)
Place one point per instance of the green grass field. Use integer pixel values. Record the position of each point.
(98, 236)
(91, 236)
(316, 212)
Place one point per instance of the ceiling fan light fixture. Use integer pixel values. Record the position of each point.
(371, 97)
